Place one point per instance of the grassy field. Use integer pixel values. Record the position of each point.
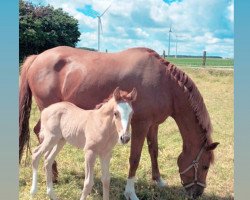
(216, 87)
(197, 62)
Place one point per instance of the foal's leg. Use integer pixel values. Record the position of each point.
(152, 141)
(90, 158)
(105, 161)
(139, 131)
(37, 129)
(49, 159)
(37, 153)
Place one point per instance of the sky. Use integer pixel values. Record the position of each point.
(196, 25)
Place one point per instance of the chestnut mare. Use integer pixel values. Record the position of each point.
(86, 78)
(95, 131)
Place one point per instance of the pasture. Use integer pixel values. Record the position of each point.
(197, 62)
(216, 86)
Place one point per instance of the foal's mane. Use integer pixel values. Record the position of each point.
(194, 96)
(123, 98)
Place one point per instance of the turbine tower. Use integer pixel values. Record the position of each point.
(100, 25)
(169, 37)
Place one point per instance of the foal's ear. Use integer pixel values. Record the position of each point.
(212, 146)
(132, 95)
(117, 94)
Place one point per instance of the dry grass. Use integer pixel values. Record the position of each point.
(216, 87)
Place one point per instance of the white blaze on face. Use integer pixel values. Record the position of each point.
(125, 111)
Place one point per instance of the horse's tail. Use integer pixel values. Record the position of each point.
(25, 100)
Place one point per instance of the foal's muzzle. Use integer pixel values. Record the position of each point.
(125, 138)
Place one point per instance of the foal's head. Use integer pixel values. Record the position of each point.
(123, 112)
(194, 169)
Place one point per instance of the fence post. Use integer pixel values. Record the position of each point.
(204, 58)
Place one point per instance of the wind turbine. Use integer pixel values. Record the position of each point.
(170, 31)
(100, 25)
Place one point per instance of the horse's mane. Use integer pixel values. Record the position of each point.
(194, 96)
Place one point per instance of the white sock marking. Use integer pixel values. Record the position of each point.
(130, 189)
(34, 183)
(161, 183)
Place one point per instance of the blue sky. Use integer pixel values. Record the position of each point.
(197, 25)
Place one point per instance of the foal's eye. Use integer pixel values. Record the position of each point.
(116, 114)
(205, 167)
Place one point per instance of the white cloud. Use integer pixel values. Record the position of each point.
(88, 39)
(198, 24)
(231, 11)
(141, 33)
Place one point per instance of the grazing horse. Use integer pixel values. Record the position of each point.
(95, 131)
(86, 78)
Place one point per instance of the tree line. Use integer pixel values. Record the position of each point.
(43, 27)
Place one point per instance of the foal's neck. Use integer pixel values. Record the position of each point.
(107, 108)
(105, 115)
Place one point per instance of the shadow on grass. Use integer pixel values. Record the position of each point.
(144, 190)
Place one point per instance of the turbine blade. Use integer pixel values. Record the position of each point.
(105, 10)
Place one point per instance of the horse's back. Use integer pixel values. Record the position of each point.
(85, 78)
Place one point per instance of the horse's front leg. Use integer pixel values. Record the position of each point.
(105, 161)
(152, 141)
(90, 158)
(139, 131)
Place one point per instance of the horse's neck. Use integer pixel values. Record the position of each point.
(190, 130)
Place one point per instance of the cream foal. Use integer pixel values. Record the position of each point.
(95, 131)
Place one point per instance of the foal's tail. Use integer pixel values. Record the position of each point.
(25, 100)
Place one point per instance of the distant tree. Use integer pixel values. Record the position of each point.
(43, 27)
(87, 48)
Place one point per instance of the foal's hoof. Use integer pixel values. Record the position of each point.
(161, 183)
(33, 192)
(52, 195)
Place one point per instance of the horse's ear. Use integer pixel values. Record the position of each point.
(117, 94)
(132, 95)
(212, 146)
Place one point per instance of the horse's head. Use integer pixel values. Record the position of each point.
(193, 168)
(123, 112)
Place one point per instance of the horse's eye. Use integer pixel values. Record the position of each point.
(205, 167)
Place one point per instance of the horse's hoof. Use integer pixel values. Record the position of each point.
(161, 183)
(130, 195)
(55, 181)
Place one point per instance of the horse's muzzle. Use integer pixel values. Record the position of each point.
(194, 192)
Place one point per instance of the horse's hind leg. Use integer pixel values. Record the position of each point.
(90, 158)
(37, 129)
(49, 159)
(152, 141)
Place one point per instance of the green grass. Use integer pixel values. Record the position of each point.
(197, 62)
(216, 87)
